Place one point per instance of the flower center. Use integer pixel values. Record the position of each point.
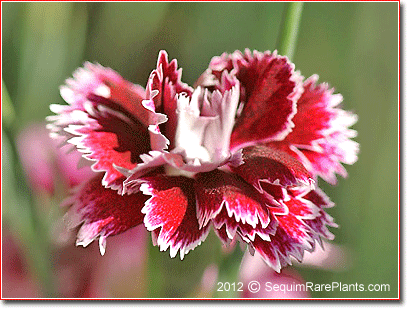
(205, 123)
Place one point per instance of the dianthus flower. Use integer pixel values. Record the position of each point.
(241, 153)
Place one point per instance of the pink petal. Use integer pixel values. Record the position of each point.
(163, 86)
(329, 257)
(271, 89)
(108, 120)
(217, 190)
(45, 162)
(172, 209)
(102, 211)
(273, 285)
(263, 164)
(122, 272)
(321, 137)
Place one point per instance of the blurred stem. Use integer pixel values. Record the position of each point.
(7, 107)
(155, 277)
(289, 28)
(229, 267)
(170, 277)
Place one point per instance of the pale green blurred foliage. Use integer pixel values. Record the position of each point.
(352, 46)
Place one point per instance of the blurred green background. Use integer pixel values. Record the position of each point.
(353, 46)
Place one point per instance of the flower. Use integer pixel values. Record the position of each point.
(241, 152)
(45, 162)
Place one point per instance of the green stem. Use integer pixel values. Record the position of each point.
(7, 107)
(155, 272)
(229, 267)
(289, 29)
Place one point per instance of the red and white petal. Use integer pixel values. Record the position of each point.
(319, 225)
(217, 190)
(95, 82)
(222, 233)
(152, 163)
(107, 119)
(102, 212)
(293, 230)
(326, 163)
(110, 141)
(319, 198)
(172, 209)
(302, 208)
(309, 206)
(227, 227)
(271, 88)
(278, 251)
(321, 137)
(266, 165)
(276, 194)
(296, 231)
(163, 86)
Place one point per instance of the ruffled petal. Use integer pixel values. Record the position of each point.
(319, 225)
(95, 83)
(271, 88)
(108, 120)
(265, 165)
(296, 231)
(102, 212)
(108, 148)
(319, 198)
(171, 214)
(152, 163)
(163, 86)
(217, 190)
(277, 252)
(227, 228)
(321, 137)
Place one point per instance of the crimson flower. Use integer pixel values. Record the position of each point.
(241, 152)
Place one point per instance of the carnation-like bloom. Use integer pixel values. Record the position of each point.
(240, 153)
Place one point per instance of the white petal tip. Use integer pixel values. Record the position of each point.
(103, 244)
